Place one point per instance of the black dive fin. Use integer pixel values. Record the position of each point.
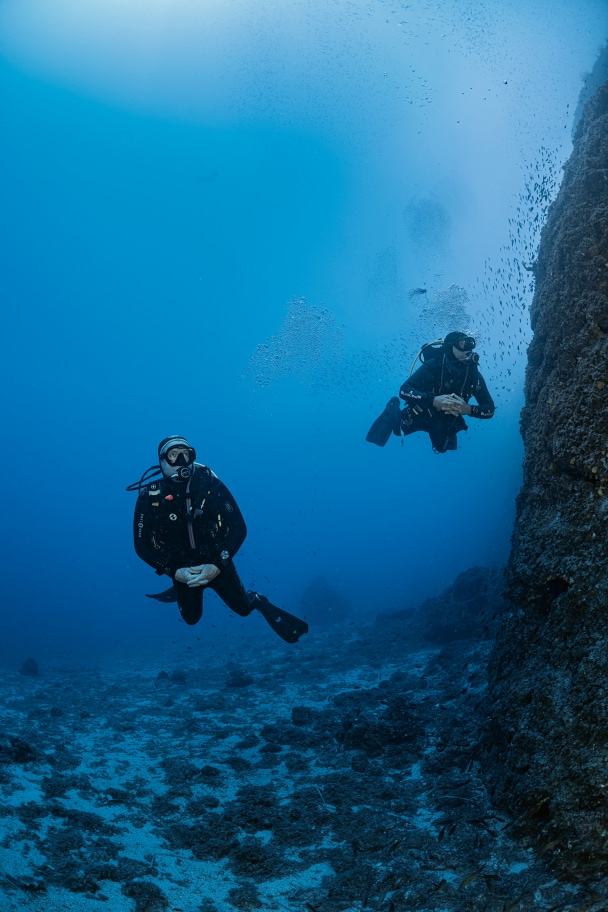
(287, 626)
(385, 424)
(169, 595)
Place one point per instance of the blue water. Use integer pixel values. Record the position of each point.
(164, 201)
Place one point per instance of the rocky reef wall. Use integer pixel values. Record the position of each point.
(546, 743)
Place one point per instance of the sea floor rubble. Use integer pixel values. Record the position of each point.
(339, 776)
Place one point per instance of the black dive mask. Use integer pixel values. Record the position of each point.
(184, 458)
(467, 344)
(180, 465)
(181, 468)
(458, 340)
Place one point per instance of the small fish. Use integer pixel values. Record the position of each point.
(514, 906)
(482, 823)
(490, 880)
(547, 846)
(440, 886)
(471, 877)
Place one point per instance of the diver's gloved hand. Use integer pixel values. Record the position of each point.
(201, 575)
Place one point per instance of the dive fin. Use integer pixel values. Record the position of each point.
(287, 626)
(169, 595)
(385, 424)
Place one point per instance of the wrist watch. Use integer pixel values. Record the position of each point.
(224, 555)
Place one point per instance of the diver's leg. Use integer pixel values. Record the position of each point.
(168, 595)
(230, 589)
(190, 602)
(289, 627)
(410, 422)
(385, 424)
(440, 444)
(443, 433)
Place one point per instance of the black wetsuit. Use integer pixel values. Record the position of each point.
(437, 377)
(184, 524)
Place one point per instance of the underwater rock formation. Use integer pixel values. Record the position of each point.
(547, 737)
(29, 668)
(469, 609)
(322, 604)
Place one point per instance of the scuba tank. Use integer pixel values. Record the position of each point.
(433, 350)
(428, 351)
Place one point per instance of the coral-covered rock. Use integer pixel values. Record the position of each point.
(548, 705)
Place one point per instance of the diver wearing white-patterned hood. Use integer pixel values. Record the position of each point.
(188, 525)
(176, 458)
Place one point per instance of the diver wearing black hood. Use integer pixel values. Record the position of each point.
(188, 526)
(437, 396)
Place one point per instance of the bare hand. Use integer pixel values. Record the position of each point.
(183, 575)
(451, 404)
(202, 575)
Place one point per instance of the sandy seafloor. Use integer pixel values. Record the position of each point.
(339, 774)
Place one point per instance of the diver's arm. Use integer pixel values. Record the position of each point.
(485, 407)
(232, 530)
(143, 539)
(418, 390)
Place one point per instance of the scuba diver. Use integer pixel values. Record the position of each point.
(437, 395)
(188, 526)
